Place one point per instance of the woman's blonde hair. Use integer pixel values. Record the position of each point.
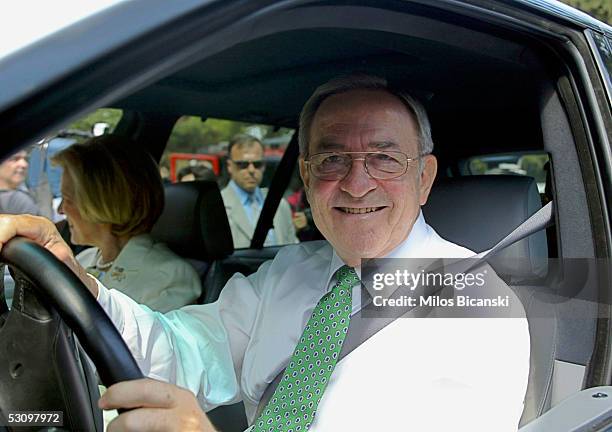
(115, 182)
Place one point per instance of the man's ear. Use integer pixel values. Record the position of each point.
(230, 167)
(304, 174)
(428, 175)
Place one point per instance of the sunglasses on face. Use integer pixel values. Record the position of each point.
(242, 164)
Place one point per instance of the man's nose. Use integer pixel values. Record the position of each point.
(358, 182)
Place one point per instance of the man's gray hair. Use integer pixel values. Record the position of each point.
(347, 83)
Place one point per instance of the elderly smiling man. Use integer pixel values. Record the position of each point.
(367, 168)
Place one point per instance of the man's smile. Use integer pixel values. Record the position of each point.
(359, 210)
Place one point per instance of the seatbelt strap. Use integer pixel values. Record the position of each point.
(362, 329)
(539, 220)
(282, 177)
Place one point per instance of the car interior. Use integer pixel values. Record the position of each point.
(489, 89)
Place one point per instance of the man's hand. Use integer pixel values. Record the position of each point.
(158, 406)
(44, 232)
(299, 220)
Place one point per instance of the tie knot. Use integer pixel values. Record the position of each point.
(347, 276)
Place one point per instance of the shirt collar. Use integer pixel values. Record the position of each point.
(415, 243)
(245, 196)
(412, 247)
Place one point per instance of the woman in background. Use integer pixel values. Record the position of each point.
(112, 195)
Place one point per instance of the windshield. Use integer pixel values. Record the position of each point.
(31, 20)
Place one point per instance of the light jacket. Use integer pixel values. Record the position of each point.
(243, 229)
(150, 273)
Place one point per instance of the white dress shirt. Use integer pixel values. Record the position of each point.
(415, 374)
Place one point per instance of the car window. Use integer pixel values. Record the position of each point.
(524, 164)
(198, 150)
(604, 48)
(48, 19)
(43, 178)
(36, 180)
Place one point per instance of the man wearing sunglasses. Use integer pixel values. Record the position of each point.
(243, 198)
(366, 163)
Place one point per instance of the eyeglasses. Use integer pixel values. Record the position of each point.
(242, 164)
(382, 165)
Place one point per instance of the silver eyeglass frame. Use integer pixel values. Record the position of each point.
(309, 164)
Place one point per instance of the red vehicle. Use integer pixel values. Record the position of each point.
(180, 160)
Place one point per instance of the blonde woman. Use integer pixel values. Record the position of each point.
(112, 194)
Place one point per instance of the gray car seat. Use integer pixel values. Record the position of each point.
(477, 212)
(194, 225)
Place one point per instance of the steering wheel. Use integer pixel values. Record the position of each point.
(41, 367)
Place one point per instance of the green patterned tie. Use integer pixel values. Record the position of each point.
(293, 405)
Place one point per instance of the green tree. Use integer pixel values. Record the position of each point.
(103, 115)
(477, 166)
(192, 135)
(534, 164)
(600, 9)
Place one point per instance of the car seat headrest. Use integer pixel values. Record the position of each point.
(194, 223)
(478, 211)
